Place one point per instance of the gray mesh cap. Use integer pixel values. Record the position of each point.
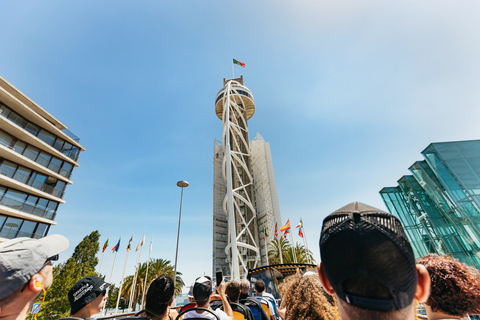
(21, 258)
(362, 246)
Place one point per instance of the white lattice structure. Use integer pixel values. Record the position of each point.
(241, 168)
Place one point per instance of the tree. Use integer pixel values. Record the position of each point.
(156, 268)
(81, 264)
(112, 299)
(302, 254)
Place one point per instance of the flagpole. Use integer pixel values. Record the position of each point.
(280, 250)
(137, 269)
(111, 273)
(146, 274)
(305, 240)
(123, 275)
(134, 283)
(100, 269)
(293, 247)
(233, 74)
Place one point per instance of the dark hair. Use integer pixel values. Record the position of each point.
(233, 290)
(455, 287)
(159, 295)
(260, 285)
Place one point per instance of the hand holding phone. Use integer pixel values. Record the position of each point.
(219, 277)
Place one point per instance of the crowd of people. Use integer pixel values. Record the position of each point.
(367, 271)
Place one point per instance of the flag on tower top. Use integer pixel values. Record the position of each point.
(286, 226)
(129, 247)
(105, 245)
(241, 64)
(117, 246)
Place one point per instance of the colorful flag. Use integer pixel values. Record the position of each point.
(105, 245)
(239, 63)
(276, 231)
(285, 234)
(300, 233)
(115, 249)
(300, 224)
(286, 226)
(140, 244)
(129, 247)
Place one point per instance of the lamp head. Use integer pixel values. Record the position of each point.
(182, 184)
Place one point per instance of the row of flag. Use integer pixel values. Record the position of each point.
(285, 229)
(129, 246)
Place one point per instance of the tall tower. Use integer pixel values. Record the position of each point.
(238, 229)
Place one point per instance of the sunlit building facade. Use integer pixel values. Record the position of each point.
(37, 157)
(439, 204)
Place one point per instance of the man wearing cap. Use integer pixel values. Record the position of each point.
(87, 297)
(369, 266)
(25, 272)
(202, 291)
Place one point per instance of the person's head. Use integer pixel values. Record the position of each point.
(368, 263)
(305, 298)
(259, 286)
(233, 291)
(455, 288)
(190, 294)
(245, 286)
(159, 296)
(202, 290)
(26, 271)
(87, 296)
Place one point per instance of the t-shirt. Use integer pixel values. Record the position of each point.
(206, 315)
(262, 300)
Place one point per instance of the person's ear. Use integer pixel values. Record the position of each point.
(35, 283)
(323, 279)
(423, 284)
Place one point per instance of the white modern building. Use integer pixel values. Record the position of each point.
(245, 201)
(37, 156)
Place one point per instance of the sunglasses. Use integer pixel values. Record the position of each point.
(47, 262)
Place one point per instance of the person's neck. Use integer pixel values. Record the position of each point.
(260, 294)
(18, 309)
(83, 313)
(438, 315)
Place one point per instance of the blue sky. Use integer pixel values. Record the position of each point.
(348, 93)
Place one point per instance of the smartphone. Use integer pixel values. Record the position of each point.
(219, 277)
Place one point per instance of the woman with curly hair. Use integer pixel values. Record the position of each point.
(304, 298)
(455, 288)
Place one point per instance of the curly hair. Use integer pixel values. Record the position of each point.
(305, 298)
(455, 288)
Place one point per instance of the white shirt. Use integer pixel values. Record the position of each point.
(260, 298)
(206, 315)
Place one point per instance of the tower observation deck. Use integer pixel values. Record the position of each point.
(238, 229)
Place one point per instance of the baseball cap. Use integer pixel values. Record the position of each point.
(85, 291)
(21, 258)
(202, 288)
(190, 292)
(362, 243)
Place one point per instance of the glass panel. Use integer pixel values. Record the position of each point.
(8, 168)
(40, 208)
(44, 159)
(55, 164)
(40, 230)
(58, 191)
(22, 174)
(33, 129)
(51, 208)
(26, 229)
(2, 221)
(47, 137)
(67, 147)
(14, 199)
(2, 190)
(30, 204)
(37, 180)
(10, 228)
(58, 144)
(6, 139)
(19, 146)
(4, 110)
(31, 153)
(73, 153)
(17, 119)
(66, 169)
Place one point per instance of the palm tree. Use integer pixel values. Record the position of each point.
(156, 268)
(301, 254)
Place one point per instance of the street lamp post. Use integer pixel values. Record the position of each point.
(181, 184)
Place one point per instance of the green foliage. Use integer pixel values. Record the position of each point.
(65, 275)
(282, 245)
(156, 268)
(112, 299)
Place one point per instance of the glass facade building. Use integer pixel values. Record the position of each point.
(37, 157)
(439, 204)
